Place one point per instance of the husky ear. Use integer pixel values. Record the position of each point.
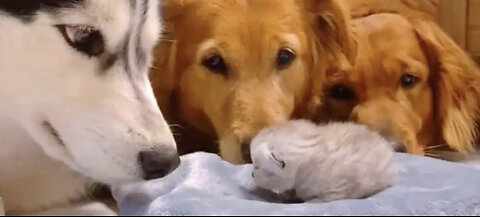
(456, 83)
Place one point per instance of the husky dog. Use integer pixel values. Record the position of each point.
(75, 100)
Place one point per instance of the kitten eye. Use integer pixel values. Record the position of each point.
(280, 163)
(408, 80)
(85, 39)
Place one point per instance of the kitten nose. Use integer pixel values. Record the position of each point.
(157, 165)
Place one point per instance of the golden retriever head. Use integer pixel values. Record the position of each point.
(412, 83)
(237, 66)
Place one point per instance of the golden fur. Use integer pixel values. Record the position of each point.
(361, 8)
(441, 107)
(234, 106)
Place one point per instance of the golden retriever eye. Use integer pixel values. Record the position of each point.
(285, 58)
(85, 39)
(216, 64)
(341, 92)
(408, 80)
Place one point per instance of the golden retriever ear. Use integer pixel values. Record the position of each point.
(162, 75)
(456, 85)
(331, 25)
(334, 49)
(362, 8)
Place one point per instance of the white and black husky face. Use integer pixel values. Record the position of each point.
(74, 73)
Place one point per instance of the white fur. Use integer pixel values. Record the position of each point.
(323, 163)
(102, 120)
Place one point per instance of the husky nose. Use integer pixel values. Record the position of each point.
(157, 165)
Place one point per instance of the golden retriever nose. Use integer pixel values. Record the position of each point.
(246, 155)
(400, 148)
(157, 165)
(342, 92)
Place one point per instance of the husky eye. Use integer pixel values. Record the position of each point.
(85, 39)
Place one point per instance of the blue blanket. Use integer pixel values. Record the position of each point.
(206, 185)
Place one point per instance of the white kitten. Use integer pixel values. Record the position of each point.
(322, 163)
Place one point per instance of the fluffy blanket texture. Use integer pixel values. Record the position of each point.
(206, 185)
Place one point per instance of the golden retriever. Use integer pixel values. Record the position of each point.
(229, 68)
(411, 82)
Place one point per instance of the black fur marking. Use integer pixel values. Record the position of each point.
(145, 7)
(128, 67)
(27, 9)
(133, 4)
(133, 69)
(141, 55)
(54, 133)
(108, 62)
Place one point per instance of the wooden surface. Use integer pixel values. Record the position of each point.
(452, 16)
(461, 20)
(2, 209)
(473, 40)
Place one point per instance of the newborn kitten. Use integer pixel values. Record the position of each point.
(322, 163)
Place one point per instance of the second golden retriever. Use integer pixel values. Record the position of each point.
(411, 82)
